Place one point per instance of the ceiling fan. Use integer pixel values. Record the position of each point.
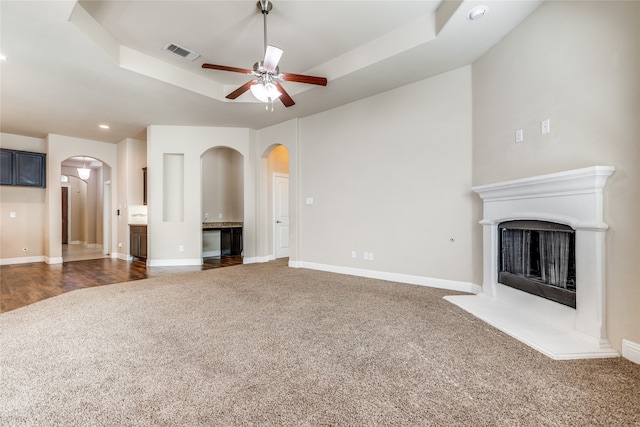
(266, 86)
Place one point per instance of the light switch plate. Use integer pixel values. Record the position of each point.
(545, 127)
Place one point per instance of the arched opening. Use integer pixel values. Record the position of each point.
(277, 199)
(85, 209)
(222, 205)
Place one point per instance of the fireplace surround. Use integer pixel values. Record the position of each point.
(573, 198)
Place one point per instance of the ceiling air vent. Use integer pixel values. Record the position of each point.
(181, 51)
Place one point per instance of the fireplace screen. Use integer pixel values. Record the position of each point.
(538, 257)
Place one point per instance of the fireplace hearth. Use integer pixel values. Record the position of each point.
(544, 262)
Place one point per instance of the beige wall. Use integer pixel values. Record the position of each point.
(391, 175)
(166, 237)
(26, 229)
(577, 64)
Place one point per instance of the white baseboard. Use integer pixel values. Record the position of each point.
(631, 351)
(53, 260)
(210, 254)
(173, 262)
(22, 260)
(392, 277)
(119, 255)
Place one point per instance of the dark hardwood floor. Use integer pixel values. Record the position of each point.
(24, 284)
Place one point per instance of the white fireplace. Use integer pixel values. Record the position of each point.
(573, 198)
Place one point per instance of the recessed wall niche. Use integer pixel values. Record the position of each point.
(222, 185)
(173, 188)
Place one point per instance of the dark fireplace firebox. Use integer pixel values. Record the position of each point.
(538, 257)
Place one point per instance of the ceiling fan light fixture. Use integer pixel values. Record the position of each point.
(265, 92)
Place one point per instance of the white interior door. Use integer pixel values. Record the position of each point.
(281, 215)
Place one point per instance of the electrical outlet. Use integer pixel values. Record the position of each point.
(206, 216)
(370, 256)
(180, 248)
(519, 135)
(220, 215)
(353, 254)
(366, 256)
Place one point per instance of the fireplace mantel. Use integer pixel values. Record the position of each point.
(573, 198)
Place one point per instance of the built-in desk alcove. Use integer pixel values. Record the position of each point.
(222, 202)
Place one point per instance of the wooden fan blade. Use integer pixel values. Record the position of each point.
(300, 78)
(242, 89)
(225, 68)
(285, 98)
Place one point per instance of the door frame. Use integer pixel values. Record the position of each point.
(68, 207)
(106, 218)
(274, 202)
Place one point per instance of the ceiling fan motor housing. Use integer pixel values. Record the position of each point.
(259, 68)
(264, 6)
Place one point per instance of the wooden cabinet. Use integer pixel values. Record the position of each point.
(138, 241)
(231, 241)
(236, 241)
(22, 168)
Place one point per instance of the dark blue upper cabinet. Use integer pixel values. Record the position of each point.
(22, 168)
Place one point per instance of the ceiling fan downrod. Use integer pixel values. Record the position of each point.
(265, 6)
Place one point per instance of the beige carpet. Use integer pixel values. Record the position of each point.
(264, 344)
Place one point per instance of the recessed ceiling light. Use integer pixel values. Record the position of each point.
(104, 126)
(477, 12)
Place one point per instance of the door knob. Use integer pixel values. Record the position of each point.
(278, 222)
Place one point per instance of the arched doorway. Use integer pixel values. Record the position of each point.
(222, 204)
(83, 209)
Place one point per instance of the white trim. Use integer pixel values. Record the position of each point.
(392, 277)
(274, 228)
(567, 183)
(22, 260)
(53, 260)
(631, 351)
(119, 255)
(173, 262)
(210, 254)
(265, 258)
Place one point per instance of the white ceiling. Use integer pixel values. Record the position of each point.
(71, 66)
